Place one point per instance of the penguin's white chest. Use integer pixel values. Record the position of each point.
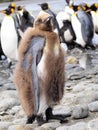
(77, 29)
(95, 19)
(41, 68)
(9, 38)
(67, 35)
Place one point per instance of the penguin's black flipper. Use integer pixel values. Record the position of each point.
(35, 51)
(87, 27)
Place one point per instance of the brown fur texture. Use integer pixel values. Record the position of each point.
(50, 70)
(54, 79)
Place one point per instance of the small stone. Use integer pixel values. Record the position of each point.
(86, 97)
(93, 107)
(15, 109)
(20, 121)
(85, 61)
(61, 109)
(7, 118)
(79, 126)
(93, 124)
(4, 125)
(80, 111)
(8, 103)
(41, 128)
(12, 127)
(79, 87)
(71, 60)
(51, 125)
(63, 128)
(22, 127)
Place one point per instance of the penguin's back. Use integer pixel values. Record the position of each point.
(87, 28)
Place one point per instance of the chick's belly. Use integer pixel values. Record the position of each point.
(41, 69)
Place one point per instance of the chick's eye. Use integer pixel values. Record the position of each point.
(39, 21)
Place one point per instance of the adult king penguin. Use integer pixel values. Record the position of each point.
(40, 72)
(94, 13)
(83, 27)
(16, 25)
(67, 34)
(10, 40)
(13, 6)
(1, 51)
(26, 19)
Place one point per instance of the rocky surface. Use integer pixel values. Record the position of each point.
(80, 101)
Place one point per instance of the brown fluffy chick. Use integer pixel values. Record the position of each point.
(40, 73)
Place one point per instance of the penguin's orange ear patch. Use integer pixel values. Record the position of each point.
(96, 5)
(78, 7)
(13, 5)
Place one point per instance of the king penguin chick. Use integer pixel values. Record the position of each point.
(10, 40)
(83, 27)
(40, 79)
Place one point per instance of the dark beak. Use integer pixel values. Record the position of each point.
(39, 5)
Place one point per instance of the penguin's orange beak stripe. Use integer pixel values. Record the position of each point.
(3, 11)
(89, 10)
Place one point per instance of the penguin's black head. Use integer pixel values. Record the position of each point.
(66, 24)
(26, 19)
(69, 2)
(19, 8)
(44, 6)
(12, 7)
(94, 7)
(75, 7)
(25, 14)
(44, 22)
(85, 6)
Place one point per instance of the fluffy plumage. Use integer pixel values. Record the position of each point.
(50, 70)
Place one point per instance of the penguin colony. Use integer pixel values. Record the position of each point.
(40, 71)
(15, 22)
(76, 26)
